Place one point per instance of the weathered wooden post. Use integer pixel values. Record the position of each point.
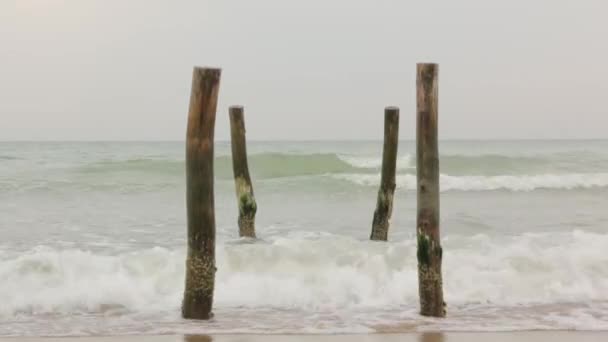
(427, 222)
(244, 189)
(200, 263)
(384, 204)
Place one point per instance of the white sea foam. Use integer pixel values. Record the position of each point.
(488, 183)
(404, 161)
(330, 283)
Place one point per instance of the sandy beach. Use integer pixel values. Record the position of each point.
(525, 336)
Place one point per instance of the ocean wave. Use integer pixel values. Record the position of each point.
(495, 164)
(125, 183)
(491, 183)
(404, 162)
(277, 165)
(459, 172)
(332, 273)
(262, 166)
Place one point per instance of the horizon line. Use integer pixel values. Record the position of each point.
(293, 140)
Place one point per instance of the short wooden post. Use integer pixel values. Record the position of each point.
(384, 204)
(242, 180)
(427, 222)
(200, 263)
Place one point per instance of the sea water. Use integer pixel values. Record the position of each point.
(92, 239)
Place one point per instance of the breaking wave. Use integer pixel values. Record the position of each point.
(275, 165)
(459, 172)
(490, 183)
(328, 274)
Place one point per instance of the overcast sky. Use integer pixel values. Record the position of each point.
(307, 69)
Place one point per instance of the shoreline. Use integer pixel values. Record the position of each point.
(520, 336)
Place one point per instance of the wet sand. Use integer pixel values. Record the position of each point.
(524, 336)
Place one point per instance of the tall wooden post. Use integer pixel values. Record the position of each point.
(427, 222)
(200, 263)
(244, 189)
(384, 204)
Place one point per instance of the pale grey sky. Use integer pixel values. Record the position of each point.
(307, 69)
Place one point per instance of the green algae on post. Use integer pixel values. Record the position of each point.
(242, 181)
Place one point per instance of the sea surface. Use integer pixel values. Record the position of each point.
(92, 239)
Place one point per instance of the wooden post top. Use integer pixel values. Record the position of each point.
(203, 74)
(427, 65)
(207, 70)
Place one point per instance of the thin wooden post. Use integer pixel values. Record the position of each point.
(200, 263)
(242, 181)
(384, 204)
(427, 222)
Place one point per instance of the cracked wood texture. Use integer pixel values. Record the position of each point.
(429, 250)
(200, 262)
(384, 204)
(244, 190)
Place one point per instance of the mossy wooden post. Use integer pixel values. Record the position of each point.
(384, 205)
(200, 263)
(427, 223)
(244, 189)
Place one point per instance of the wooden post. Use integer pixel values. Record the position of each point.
(427, 222)
(244, 189)
(384, 205)
(200, 263)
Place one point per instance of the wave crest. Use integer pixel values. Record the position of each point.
(324, 273)
(460, 173)
(491, 183)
